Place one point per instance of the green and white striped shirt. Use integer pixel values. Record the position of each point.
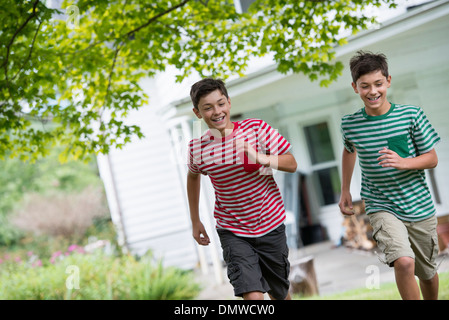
(405, 130)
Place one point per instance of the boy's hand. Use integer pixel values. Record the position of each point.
(345, 203)
(200, 234)
(244, 147)
(391, 159)
(253, 156)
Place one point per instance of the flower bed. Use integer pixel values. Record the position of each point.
(81, 275)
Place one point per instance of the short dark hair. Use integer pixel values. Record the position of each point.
(204, 87)
(366, 62)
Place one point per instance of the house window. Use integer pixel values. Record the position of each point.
(325, 176)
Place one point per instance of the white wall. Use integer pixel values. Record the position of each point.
(146, 195)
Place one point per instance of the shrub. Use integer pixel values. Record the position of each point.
(61, 214)
(96, 276)
(46, 177)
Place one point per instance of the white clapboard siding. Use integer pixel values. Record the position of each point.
(146, 195)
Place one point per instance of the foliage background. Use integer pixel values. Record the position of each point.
(46, 179)
(70, 75)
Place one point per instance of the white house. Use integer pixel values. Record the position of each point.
(145, 182)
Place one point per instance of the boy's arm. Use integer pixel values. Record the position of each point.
(284, 162)
(193, 195)
(348, 163)
(389, 158)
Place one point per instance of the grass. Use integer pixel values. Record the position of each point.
(387, 291)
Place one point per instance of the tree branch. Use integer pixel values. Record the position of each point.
(29, 53)
(129, 33)
(8, 48)
(117, 49)
(152, 19)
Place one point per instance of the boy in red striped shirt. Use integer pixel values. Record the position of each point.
(249, 211)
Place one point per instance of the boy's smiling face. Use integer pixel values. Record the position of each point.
(372, 89)
(215, 109)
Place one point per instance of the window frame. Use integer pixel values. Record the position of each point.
(295, 125)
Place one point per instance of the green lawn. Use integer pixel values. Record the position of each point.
(387, 291)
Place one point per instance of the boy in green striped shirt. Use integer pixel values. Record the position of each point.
(395, 143)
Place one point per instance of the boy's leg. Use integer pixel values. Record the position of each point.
(243, 267)
(392, 239)
(257, 265)
(404, 271)
(272, 250)
(429, 288)
(254, 295)
(424, 242)
(288, 297)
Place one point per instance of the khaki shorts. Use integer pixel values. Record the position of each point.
(417, 240)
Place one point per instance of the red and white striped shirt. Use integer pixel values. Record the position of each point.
(247, 199)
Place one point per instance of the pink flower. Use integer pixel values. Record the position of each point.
(54, 256)
(72, 247)
(37, 263)
(29, 253)
(17, 259)
(80, 250)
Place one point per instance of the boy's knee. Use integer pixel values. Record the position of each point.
(253, 295)
(405, 264)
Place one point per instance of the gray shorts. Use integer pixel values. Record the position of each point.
(417, 240)
(257, 264)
